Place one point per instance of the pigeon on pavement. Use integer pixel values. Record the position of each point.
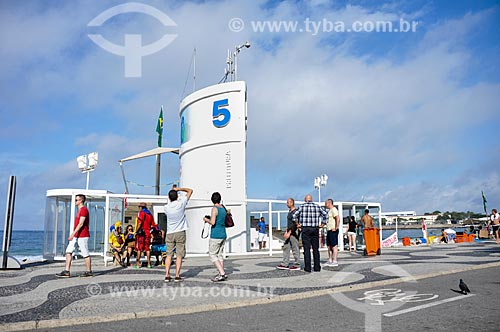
(463, 287)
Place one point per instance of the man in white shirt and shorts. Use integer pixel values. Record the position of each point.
(495, 221)
(176, 230)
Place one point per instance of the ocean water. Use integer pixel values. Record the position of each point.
(25, 244)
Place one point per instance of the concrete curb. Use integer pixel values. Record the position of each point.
(54, 323)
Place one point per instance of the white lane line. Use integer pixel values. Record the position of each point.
(423, 306)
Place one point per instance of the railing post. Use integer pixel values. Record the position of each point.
(270, 214)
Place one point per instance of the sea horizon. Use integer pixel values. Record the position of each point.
(26, 245)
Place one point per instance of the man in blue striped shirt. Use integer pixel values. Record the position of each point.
(308, 216)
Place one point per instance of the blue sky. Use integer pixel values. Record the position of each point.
(410, 120)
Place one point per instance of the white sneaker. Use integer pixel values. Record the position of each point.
(334, 264)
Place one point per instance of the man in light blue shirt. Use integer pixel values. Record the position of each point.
(261, 228)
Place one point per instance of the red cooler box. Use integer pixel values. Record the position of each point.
(372, 241)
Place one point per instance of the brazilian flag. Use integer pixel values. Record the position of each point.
(159, 127)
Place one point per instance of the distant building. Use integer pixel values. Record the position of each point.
(407, 217)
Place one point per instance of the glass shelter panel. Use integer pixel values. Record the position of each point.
(49, 241)
(374, 212)
(97, 208)
(63, 222)
(116, 210)
(57, 226)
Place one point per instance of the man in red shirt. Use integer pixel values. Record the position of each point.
(79, 236)
(145, 221)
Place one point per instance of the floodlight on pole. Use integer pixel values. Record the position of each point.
(93, 159)
(87, 163)
(319, 182)
(82, 162)
(236, 51)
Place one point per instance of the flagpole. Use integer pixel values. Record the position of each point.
(159, 131)
(158, 162)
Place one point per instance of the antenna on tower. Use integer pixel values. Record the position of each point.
(232, 63)
(193, 62)
(194, 70)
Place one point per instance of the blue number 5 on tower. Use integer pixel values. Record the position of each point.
(218, 110)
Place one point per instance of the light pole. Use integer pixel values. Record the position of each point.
(237, 50)
(319, 182)
(87, 163)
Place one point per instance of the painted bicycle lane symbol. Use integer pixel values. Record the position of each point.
(375, 303)
(391, 295)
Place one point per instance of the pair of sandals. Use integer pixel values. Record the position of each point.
(176, 279)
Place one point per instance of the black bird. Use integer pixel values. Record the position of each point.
(463, 287)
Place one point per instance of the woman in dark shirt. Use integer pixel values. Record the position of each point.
(129, 242)
(351, 233)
